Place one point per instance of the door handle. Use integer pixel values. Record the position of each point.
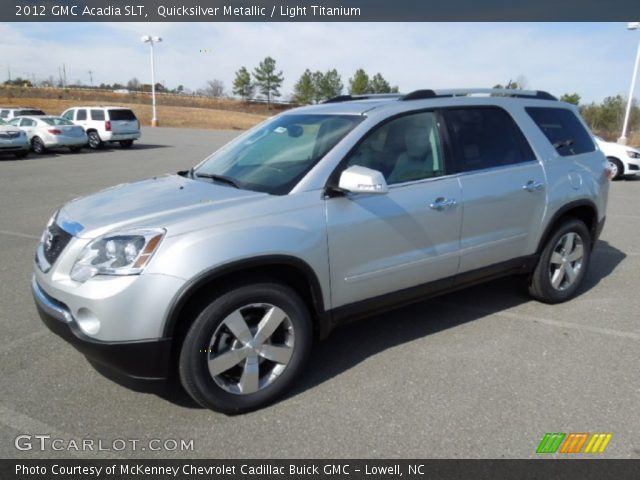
(441, 203)
(532, 186)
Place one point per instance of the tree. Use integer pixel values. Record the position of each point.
(134, 84)
(242, 84)
(329, 85)
(214, 88)
(304, 91)
(268, 80)
(378, 84)
(359, 84)
(571, 98)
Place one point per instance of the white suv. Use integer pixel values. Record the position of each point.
(106, 124)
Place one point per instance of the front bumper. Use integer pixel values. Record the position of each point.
(138, 360)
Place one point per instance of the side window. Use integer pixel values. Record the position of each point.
(26, 122)
(81, 114)
(15, 122)
(97, 114)
(68, 115)
(485, 137)
(4, 113)
(404, 149)
(563, 129)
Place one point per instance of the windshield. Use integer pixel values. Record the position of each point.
(276, 155)
(56, 121)
(2, 122)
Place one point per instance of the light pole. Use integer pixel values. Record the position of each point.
(151, 40)
(623, 138)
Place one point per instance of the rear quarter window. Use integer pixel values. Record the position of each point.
(115, 115)
(563, 130)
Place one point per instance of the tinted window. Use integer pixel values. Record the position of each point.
(4, 113)
(29, 112)
(115, 115)
(27, 122)
(81, 115)
(563, 129)
(68, 115)
(405, 149)
(97, 114)
(485, 137)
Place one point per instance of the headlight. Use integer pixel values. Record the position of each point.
(633, 154)
(121, 253)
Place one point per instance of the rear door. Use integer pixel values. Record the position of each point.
(503, 186)
(123, 121)
(384, 243)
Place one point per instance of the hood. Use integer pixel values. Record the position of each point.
(156, 202)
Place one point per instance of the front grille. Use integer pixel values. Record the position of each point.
(54, 242)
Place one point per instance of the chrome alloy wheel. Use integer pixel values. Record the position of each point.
(613, 167)
(250, 348)
(566, 261)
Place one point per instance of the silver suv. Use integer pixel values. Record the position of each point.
(225, 274)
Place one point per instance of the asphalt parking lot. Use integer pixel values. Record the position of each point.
(481, 373)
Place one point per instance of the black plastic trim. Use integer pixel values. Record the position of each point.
(563, 211)
(183, 296)
(407, 296)
(138, 360)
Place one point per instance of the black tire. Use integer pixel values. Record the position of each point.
(21, 155)
(542, 286)
(616, 166)
(38, 145)
(95, 142)
(209, 337)
(75, 149)
(126, 143)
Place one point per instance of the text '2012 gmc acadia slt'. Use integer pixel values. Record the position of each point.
(227, 272)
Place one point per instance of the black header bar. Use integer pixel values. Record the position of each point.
(317, 10)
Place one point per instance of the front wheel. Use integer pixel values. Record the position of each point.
(94, 140)
(562, 264)
(616, 167)
(246, 348)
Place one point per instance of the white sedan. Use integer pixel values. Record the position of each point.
(51, 132)
(623, 160)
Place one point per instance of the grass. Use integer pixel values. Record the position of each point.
(168, 115)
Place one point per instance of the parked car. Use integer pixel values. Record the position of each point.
(623, 160)
(51, 132)
(106, 124)
(228, 271)
(8, 113)
(13, 140)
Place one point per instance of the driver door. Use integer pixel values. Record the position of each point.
(407, 237)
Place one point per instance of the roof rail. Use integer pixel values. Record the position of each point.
(367, 96)
(462, 92)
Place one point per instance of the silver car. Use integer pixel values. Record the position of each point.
(13, 141)
(227, 272)
(47, 132)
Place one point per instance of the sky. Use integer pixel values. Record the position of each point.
(594, 60)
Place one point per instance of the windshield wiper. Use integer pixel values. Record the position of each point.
(220, 178)
(564, 143)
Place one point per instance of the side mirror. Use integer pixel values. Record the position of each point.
(357, 179)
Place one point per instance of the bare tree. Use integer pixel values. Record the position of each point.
(214, 88)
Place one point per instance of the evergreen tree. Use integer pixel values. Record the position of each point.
(242, 85)
(359, 84)
(304, 91)
(268, 80)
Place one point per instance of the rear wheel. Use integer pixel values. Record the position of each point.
(38, 145)
(94, 140)
(616, 167)
(126, 143)
(246, 348)
(562, 264)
